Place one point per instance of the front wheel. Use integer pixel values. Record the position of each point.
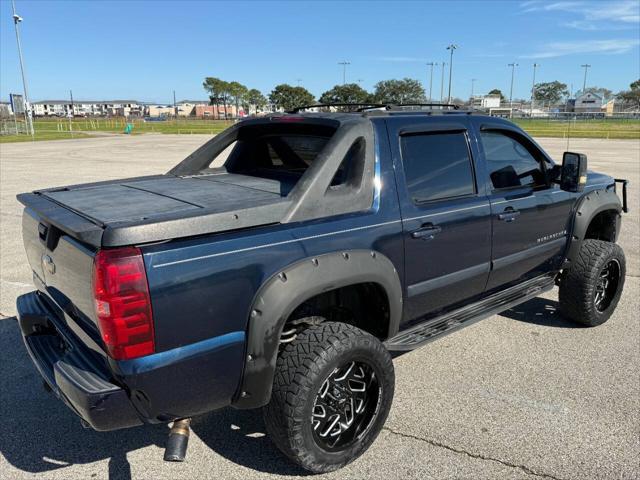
(591, 288)
(332, 392)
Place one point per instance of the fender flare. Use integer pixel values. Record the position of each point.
(280, 295)
(587, 208)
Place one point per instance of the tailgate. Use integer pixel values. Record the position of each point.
(63, 270)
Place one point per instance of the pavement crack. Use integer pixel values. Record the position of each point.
(477, 456)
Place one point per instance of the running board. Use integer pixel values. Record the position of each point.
(433, 328)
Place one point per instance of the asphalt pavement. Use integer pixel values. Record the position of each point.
(524, 394)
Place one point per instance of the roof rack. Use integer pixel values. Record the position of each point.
(442, 105)
(363, 106)
(369, 106)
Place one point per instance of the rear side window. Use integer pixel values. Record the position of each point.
(509, 161)
(437, 165)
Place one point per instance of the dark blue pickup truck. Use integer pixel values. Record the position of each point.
(280, 263)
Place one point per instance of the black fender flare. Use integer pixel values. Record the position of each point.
(279, 296)
(590, 205)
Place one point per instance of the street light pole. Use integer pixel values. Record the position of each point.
(344, 70)
(442, 83)
(473, 81)
(451, 48)
(533, 88)
(16, 20)
(431, 64)
(513, 71)
(586, 66)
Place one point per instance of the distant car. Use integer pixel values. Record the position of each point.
(283, 276)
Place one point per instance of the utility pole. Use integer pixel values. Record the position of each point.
(451, 48)
(175, 108)
(513, 71)
(443, 64)
(344, 64)
(431, 64)
(533, 89)
(586, 66)
(473, 81)
(27, 107)
(71, 112)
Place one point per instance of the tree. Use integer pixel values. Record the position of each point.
(237, 91)
(397, 92)
(496, 91)
(256, 99)
(218, 92)
(550, 92)
(631, 96)
(288, 97)
(347, 93)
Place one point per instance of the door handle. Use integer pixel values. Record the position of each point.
(509, 215)
(426, 232)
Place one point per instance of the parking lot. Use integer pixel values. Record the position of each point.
(524, 394)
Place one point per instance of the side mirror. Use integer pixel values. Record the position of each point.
(574, 172)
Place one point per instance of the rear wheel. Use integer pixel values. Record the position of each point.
(591, 288)
(332, 393)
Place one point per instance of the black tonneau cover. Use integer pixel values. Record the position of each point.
(194, 199)
(125, 212)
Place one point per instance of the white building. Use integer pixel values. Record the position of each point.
(5, 109)
(485, 101)
(589, 102)
(86, 108)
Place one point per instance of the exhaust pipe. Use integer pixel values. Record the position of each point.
(176, 448)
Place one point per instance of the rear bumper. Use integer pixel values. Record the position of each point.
(108, 394)
(75, 374)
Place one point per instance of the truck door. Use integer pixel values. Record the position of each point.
(529, 215)
(445, 219)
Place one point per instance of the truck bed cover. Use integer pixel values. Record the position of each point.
(146, 209)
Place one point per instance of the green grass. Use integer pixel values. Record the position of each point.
(117, 125)
(57, 129)
(610, 129)
(39, 136)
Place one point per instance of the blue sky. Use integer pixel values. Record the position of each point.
(144, 50)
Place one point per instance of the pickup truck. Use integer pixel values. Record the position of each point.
(278, 266)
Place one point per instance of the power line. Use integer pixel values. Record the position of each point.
(431, 64)
(586, 67)
(533, 88)
(344, 64)
(513, 72)
(451, 48)
(16, 20)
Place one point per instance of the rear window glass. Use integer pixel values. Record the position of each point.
(437, 166)
(275, 151)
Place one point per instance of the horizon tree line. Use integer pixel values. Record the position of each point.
(393, 91)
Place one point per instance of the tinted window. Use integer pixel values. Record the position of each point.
(510, 163)
(437, 165)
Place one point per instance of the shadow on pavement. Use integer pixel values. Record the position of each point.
(539, 311)
(40, 434)
(239, 436)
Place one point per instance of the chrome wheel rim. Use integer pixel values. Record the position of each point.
(606, 285)
(345, 406)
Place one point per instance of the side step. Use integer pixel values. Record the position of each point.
(433, 328)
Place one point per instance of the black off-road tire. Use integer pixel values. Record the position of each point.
(303, 367)
(579, 283)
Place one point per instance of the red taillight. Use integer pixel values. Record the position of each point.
(123, 305)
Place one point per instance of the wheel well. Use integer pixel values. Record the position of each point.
(363, 305)
(603, 226)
